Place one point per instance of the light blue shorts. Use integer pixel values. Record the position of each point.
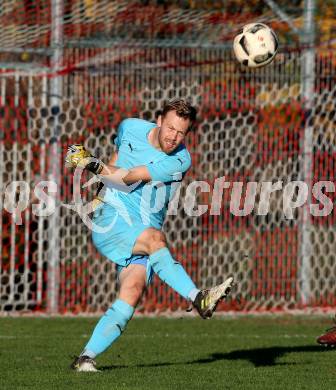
(142, 260)
(117, 242)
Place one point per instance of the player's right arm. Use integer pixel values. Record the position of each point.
(78, 156)
(113, 159)
(170, 169)
(167, 170)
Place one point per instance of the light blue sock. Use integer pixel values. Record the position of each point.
(171, 272)
(109, 328)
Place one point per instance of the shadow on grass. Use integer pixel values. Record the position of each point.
(259, 357)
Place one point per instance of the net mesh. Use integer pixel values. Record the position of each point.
(29, 23)
(251, 128)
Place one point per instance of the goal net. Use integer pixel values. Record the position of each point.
(255, 131)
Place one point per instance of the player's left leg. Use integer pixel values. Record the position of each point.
(153, 242)
(113, 323)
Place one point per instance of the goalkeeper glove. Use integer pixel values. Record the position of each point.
(78, 156)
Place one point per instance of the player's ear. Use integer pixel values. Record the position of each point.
(159, 120)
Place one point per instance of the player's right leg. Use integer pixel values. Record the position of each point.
(153, 243)
(109, 328)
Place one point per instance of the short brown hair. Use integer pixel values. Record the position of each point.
(182, 108)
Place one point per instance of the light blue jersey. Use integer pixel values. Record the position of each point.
(148, 202)
(125, 215)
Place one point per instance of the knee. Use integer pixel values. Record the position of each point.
(156, 240)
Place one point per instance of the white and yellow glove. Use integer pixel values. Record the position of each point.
(78, 156)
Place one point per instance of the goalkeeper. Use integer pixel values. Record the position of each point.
(146, 152)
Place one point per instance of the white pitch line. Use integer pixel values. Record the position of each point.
(204, 335)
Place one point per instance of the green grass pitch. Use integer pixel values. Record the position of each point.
(159, 353)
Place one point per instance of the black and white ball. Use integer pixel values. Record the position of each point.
(256, 45)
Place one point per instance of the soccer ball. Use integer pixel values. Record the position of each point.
(256, 45)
